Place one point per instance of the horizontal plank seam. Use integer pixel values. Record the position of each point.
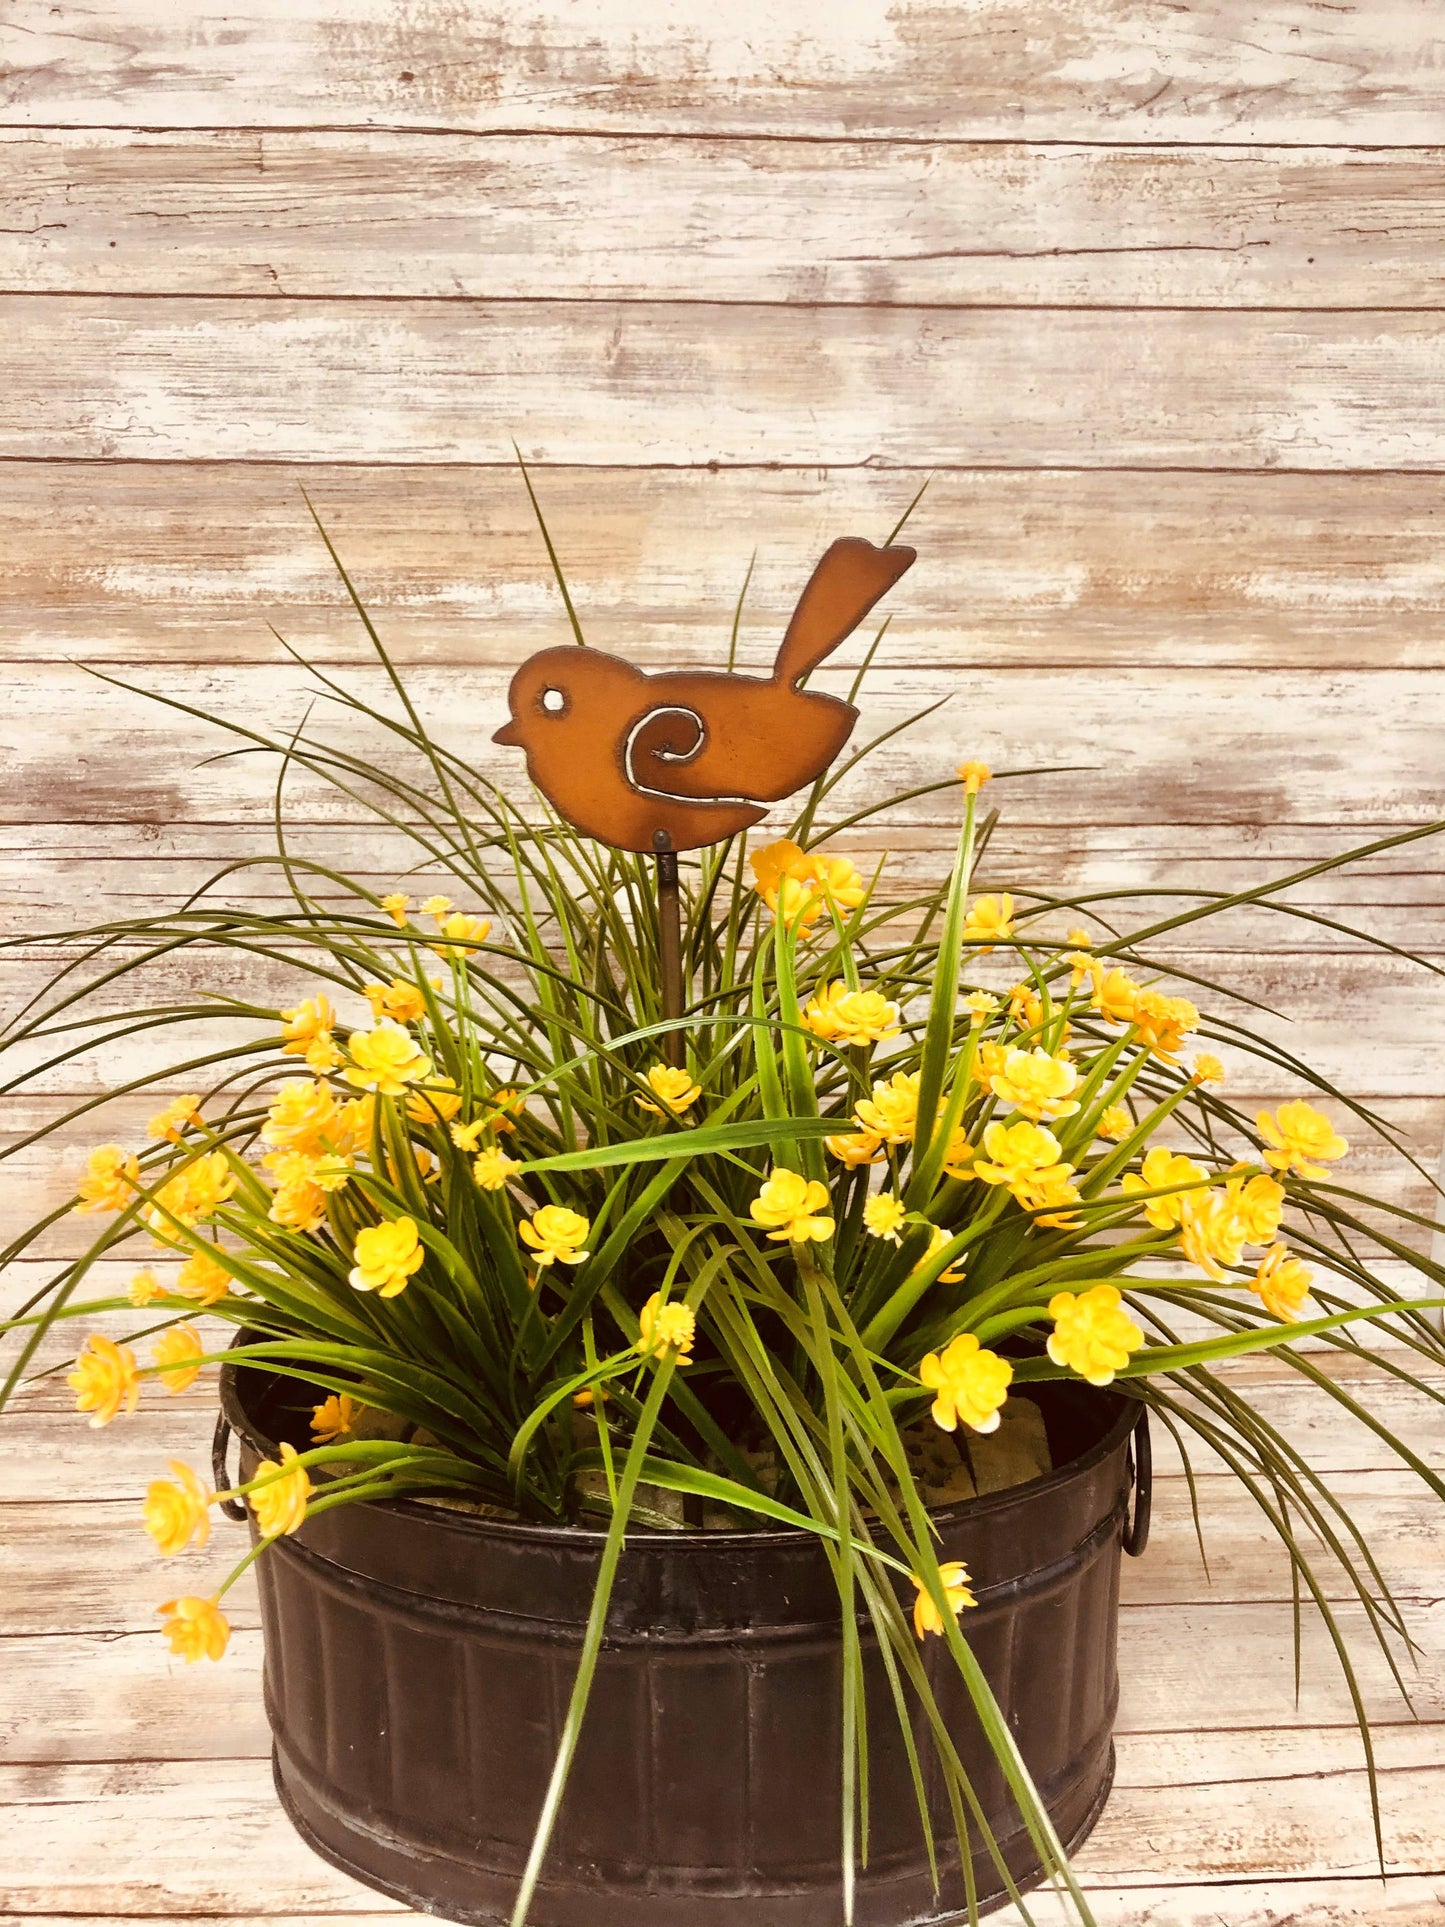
(870, 464)
(728, 137)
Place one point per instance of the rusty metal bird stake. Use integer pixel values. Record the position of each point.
(672, 761)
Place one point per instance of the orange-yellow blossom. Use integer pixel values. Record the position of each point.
(664, 1328)
(399, 1000)
(675, 1090)
(855, 1017)
(968, 1383)
(104, 1379)
(178, 1354)
(176, 1513)
(891, 1113)
(1037, 1083)
(280, 1503)
(793, 1209)
(556, 1235)
(202, 1279)
(385, 1060)
(111, 1176)
(334, 1417)
(974, 776)
(926, 1616)
(1162, 1168)
(177, 1117)
(1300, 1138)
(1283, 1283)
(990, 920)
(196, 1628)
(1093, 1335)
(387, 1257)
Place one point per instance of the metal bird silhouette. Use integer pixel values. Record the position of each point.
(671, 761)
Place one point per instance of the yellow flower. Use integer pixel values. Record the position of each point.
(436, 907)
(953, 1274)
(299, 1206)
(385, 1060)
(174, 1514)
(177, 1354)
(334, 1417)
(1025, 1006)
(1115, 1124)
(838, 880)
(926, 1616)
(110, 1178)
(1300, 1138)
(981, 1006)
(990, 920)
(556, 1234)
(1208, 1069)
(308, 1023)
(1093, 1335)
(674, 1090)
(1259, 1205)
(1283, 1283)
(1162, 1168)
(387, 1257)
(1115, 994)
(203, 1280)
(666, 1328)
(892, 1112)
(974, 775)
(395, 907)
(1037, 1083)
(854, 1148)
(1080, 938)
(793, 1208)
(1164, 1022)
(1081, 965)
(349, 1132)
(145, 1288)
(883, 1217)
(196, 1628)
(195, 1191)
(958, 1156)
(491, 1168)
(462, 933)
(845, 1016)
(1016, 1151)
(104, 1379)
(435, 1102)
(1050, 1190)
(399, 1000)
(968, 1384)
(503, 1106)
(280, 1504)
(1211, 1232)
(301, 1115)
(173, 1120)
(777, 860)
(797, 885)
(793, 900)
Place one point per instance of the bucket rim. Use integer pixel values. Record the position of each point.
(778, 1538)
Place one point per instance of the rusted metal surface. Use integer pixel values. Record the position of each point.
(687, 757)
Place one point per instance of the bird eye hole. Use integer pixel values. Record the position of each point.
(553, 701)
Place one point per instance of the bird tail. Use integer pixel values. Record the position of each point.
(841, 590)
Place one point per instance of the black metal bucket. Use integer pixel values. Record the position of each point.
(418, 1663)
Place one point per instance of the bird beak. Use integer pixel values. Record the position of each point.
(508, 733)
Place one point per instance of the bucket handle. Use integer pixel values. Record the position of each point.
(220, 1446)
(1141, 1477)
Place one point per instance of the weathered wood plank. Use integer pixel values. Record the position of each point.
(1051, 70)
(1083, 570)
(369, 213)
(688, 384)
(1228, 746)
(86, 1836)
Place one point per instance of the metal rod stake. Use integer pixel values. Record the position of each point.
(669, 934)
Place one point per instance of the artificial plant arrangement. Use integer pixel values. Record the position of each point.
(531, 1241)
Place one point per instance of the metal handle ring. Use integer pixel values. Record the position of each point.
(220, 1445)
(1141, 1474)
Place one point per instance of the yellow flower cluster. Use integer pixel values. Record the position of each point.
(1093, 1335)
(926, 1616)
(556, 1235)
(279, 1501)
(665, 1328)
(400, 1001)
(387, 1257)
(798, 885)
(306, 1032)
(883, 1217)
(196, 1628)
(104, 1379)
(1161, 1022)
(855, 1017)
(177, 1117)
(1038, 1083)
(1300, 1138)
(1029, 1160)
(674, 1089)
(195, 1191)
(111, 1176)
(178, 1354)
(334, 1418)
(385, 1060)
(177, 1513)
(990, 921)
(793, 1209)
(968, 1383)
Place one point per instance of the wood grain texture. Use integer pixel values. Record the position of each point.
(681, 384)
(133, 562)
(337, 215)
(1116, 69)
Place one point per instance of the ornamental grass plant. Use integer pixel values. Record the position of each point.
(919, 1154)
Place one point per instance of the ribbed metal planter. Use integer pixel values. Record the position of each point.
(418, 1662)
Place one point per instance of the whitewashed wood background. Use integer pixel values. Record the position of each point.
(1153, 292)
